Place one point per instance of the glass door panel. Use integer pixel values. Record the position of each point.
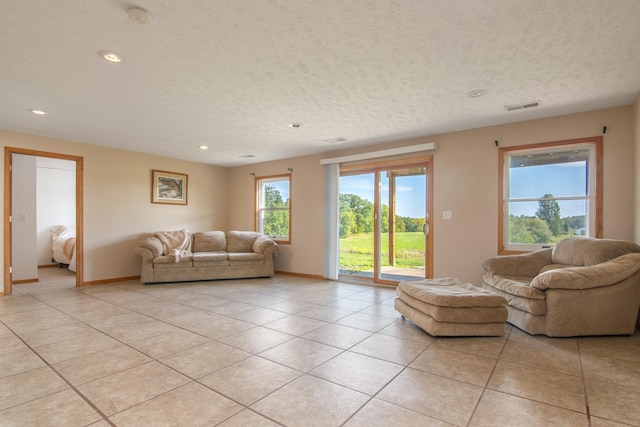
(357, 225)
(402, 224)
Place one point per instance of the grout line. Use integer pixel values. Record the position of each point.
(280, 290)
(63, 378)
(302, 373)
(404, 368)
(584, 383)
(493, 369)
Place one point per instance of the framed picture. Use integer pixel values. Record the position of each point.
(168, 187)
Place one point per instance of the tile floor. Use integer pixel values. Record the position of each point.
(49, 278)
(289, 351)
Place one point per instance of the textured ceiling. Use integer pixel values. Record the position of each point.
(233, 74)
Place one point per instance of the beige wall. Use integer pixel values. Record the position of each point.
(304, 254)
(465, 182)
(117, 201)
(636, 128)
(118, 212)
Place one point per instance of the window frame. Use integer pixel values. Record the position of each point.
(595, 195)
(258, 185)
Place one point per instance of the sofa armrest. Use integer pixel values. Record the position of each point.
(271, 250)
(262, 243)
(523, 265)
(149, 248)
(594, 276)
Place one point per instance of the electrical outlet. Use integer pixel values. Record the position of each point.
(447, 215)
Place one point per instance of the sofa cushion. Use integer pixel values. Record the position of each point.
(456, 314)
(241, 241)
(235, 257)
(536, 307)
(518, 286)
(550, 267)
(210, 256)
(450, 292)
(210, 241)
(580, 251)
(591, 276)
(437, 328)
(211, 263)
(168, 261)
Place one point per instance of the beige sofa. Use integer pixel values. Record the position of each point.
(179, 256)
(582, 286)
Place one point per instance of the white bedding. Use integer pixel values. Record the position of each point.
(63, 243)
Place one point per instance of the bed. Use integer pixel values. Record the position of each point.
(63, 243)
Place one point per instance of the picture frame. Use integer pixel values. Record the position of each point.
(169, 187)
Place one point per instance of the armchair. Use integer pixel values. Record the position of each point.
(582, 286)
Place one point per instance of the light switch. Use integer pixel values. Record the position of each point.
(23, 216)
(447, 215)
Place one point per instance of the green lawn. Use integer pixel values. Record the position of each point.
(356, 252)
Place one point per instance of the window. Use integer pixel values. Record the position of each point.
(548, 192)
(273, 207)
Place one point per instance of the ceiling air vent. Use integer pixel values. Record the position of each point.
(526, 105)
(335, 140)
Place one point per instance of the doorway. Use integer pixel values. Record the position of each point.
(8, 202)
(385, 221)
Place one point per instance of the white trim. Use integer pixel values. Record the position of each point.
(381, 153)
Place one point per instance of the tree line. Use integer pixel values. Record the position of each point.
(356, 217)
(545, 225)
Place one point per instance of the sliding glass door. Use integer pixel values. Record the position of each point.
(384, 227)
(403, 224)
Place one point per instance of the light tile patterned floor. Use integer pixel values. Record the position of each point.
(49, 278)
(289, 351)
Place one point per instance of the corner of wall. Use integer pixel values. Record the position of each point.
(636, 145)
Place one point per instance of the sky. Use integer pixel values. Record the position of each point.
(282, 187)
(410, 192)
(563, 179)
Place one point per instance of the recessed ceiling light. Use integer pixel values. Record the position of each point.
(38, 112)
(476, 93)
(295, 125)
(247, 156)
(204, 147)
(110, 55)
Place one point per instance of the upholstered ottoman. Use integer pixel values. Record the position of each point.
(449, 307)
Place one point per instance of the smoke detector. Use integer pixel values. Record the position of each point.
(476, 93)
(139, 15)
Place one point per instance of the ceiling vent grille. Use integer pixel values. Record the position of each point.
(515, 107)
(335, 140)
